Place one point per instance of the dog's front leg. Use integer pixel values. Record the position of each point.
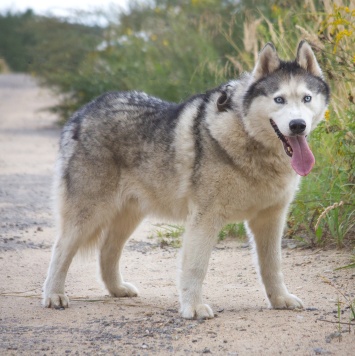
(198, 241)
(266, 229)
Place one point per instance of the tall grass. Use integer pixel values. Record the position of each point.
(323, 212)
(333, 182)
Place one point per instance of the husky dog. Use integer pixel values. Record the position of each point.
(234, 153)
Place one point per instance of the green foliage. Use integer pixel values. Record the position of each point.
(325, 207)
(169, 235)
(232, 230)
(350, 265)
(46, 46)
(165, 50)
(15, 41)
(61, 55)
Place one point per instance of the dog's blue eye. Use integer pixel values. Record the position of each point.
(307, 98)
(279, 100)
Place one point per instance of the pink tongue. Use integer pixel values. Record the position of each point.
(302, 159)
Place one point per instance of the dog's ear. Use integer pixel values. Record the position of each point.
(223, 102)
(307, 60)
(267, 63)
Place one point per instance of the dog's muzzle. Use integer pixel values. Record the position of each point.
(296, 146)
(287, 146)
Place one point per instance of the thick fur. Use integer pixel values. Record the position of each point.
(211, 160)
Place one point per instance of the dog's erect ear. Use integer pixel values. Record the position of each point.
(267, 63)
(307, 60)
(223, 102)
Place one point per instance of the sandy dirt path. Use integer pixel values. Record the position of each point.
(96, 324)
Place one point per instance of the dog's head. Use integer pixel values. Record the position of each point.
(286, 101)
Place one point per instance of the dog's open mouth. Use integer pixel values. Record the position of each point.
(284, 140)
(296, 147)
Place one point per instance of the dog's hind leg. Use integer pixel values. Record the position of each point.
(267, 228)
(198, 241)
(82, 213)
(117, 233)
(70, 239)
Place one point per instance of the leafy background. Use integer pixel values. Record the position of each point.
(173, 49)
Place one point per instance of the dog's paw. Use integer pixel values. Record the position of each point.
(124, 290)
(200, 311)
(56, 301)
(287, 301)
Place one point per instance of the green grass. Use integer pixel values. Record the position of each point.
(324, 209)
(232, 230)
(345, 307)
(170, 235)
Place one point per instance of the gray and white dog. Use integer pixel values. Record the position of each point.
(234, 153)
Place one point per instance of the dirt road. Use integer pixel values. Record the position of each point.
(149, 324)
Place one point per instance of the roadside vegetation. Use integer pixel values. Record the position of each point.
(173, 49)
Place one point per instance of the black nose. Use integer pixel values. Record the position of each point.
(297, 126)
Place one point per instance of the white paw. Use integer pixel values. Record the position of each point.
(56, 301)
(287, 301)
(200, 311)
(124, 290)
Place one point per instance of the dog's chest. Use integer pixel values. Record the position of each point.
(241, 199)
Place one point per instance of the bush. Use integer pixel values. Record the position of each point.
(329, 195)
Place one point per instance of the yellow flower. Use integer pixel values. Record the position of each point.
(327, 115)
(339, 36)
(338, 22)
(276, 10)
(153, 37)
